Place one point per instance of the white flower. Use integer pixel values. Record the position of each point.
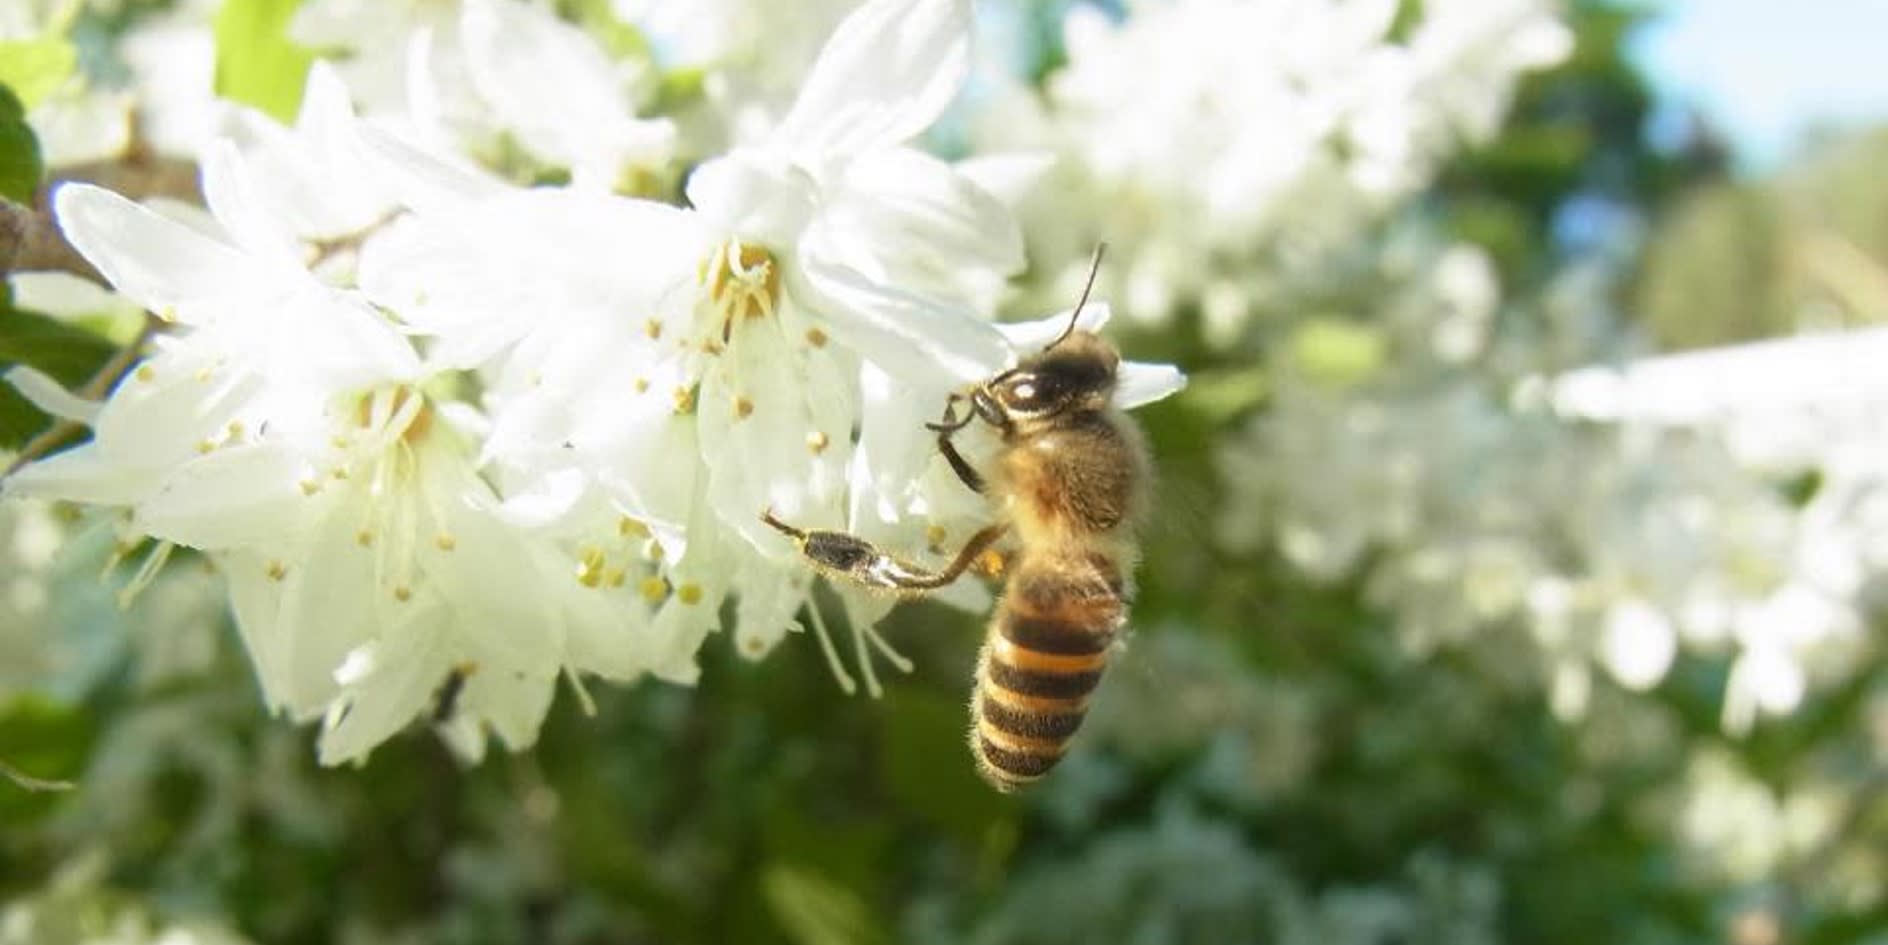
(553, 86)
(285, 430)
(1283, 131)
(485, 74)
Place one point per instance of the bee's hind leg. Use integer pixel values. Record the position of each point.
(844, 555)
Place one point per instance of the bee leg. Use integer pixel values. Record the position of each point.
(970, 477)
(844, 555)
(945, 427)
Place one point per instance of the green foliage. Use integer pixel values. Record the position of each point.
(1337, 353)
(35, 68)
(1576, 129)
(20, 165)
(256, 63)
(68, 353)
(44, 741)
(816, 911)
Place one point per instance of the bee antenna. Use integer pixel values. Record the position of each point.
(1094, 267)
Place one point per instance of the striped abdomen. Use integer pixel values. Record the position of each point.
(1043, 658)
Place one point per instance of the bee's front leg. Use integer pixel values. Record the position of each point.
(948, 426)
(844, 555)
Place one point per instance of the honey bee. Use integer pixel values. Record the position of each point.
(1070, 482)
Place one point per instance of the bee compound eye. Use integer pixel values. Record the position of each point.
(1023, 393)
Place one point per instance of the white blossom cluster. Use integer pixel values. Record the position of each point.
(1608, 516)
(439, 429)
(1235, 148)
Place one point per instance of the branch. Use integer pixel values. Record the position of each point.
(30, 240)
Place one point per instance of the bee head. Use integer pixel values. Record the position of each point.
(1076, 373)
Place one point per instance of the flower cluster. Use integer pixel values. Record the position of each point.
(450, 439)
(1293, 128)
(1468, 501)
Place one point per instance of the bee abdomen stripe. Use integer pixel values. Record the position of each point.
(1048, 725)
(1030, 682)
(1055, 635)
(1022, 657)
(1015, 765)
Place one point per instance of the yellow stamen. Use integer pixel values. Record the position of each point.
(653, 589)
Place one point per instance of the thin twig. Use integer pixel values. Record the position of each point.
(30, 783)
(30, 241)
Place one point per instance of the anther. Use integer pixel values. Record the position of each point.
(590, 567)
(689, 593)
(817, 441)
(653, 589)
(743, 408)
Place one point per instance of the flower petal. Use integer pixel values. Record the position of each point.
(156, 261)
(754, 197)
(921, 226)
(241, 496)
(1032, 336)
(908, 335)
(51, 397)
(1138, 382)
(80, 474)
(887, 73)
(553, 85)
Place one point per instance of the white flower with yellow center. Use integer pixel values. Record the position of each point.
(288, 428)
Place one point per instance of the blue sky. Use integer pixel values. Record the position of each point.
(1768, 71)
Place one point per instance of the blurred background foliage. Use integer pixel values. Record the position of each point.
(1269, 761)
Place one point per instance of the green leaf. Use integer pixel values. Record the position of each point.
(1225, 394)
(814, 910)
(20, 165)
(45, 741)
(70, 354)
(35, 68)
(256, 63)
(1338, 353)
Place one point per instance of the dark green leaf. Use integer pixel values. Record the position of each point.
(44, 741)
(20, 163)
(71, 355)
